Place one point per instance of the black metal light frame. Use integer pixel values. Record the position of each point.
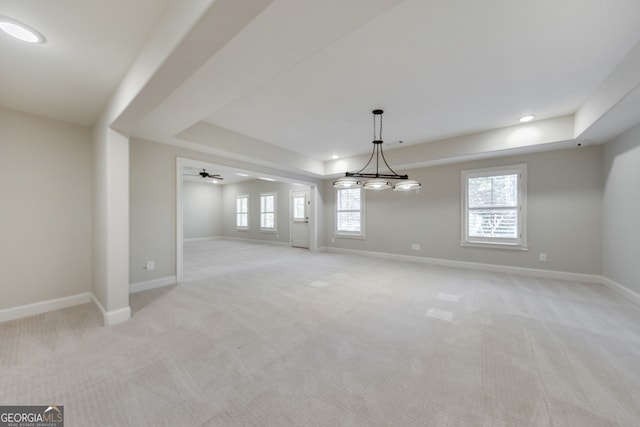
(377, 152)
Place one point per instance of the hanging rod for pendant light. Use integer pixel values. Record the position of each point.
(378, 181)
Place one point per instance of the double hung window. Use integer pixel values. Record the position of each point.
(268, 212)
(494, 207)
(350, 212)
(242, 213)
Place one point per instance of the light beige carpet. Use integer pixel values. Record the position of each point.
(273, 336)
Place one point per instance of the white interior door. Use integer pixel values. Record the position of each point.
(300, 219)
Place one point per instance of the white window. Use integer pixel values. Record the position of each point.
(268, 212)
(349, 212)
(494, 202)
(242, 212)
(299, 208)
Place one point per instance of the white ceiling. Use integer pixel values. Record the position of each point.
(439, 68)
(90, 46)
(299, 79)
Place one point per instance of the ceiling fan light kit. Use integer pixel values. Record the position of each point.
(377, 181)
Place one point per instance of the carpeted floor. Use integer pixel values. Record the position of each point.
(264, 335)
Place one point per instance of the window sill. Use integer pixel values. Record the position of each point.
(496, 245)
(269, 231)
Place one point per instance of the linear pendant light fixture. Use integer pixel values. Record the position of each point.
(377, 181)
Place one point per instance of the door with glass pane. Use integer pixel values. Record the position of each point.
(300, 219)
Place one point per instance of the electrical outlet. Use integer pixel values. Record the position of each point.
(542, 257)
(415, 246)
(150, 265)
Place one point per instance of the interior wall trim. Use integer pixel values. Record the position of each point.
(268, 242)
(547, 274)
(621, 289)
(152, 284)
(121, 315)
(202, 239)
(41, 307)
(114, 316)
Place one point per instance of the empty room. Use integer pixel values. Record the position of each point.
(320, 213)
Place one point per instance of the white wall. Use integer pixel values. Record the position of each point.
(153, 205)
(152, 213)
(45, 214)
(202, 209)
(253, 189)
(564, 214)
(110, 286)
(621, 225)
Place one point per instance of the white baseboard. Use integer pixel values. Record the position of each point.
(41, 307)
(114, 316)
(110, 317)
(268, 242)
(152, 284)
(202, 239)
(549, 274)
(622, 290)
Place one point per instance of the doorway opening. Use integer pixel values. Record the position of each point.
(303, 225)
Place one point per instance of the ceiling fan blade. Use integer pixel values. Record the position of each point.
(205, 175)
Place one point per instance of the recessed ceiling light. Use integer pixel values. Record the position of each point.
(266, 179)
(334, 157)
(241, 174)
(528, 118)
(20, 31)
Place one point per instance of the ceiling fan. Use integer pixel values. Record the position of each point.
(205, 174)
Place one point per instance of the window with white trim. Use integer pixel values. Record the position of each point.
(299, 208)
(350, 212)
(242, 212)
(268, 212)
(494, 204)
